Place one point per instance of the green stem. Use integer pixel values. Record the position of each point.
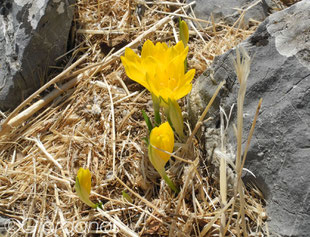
(170, 183)
(99, 205)
(156, 107)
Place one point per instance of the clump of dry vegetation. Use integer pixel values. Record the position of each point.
(92, 118)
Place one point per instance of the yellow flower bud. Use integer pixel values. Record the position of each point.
(176, 118)
(161, 139)
(184, 33)
(83, 186)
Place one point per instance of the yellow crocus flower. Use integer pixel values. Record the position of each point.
(83, 186)
(161, 139)
(160, 69)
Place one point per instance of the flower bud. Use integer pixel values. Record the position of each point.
(175, 117)
(83, 186)
(161, 140)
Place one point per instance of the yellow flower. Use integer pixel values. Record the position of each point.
(83, 186)
(160, 69)
(161, 137)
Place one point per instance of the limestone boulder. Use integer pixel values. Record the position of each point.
(280, 151)
(33, 33)
(229, 11)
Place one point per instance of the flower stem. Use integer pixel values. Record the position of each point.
(170, 183)
(156, 106)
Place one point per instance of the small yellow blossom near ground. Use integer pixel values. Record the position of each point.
(83, 186)
(161, 137)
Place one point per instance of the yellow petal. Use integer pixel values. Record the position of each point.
(186, 85)
(147, 49)
(135, 73)
(149, 65)
(162, 137)
(179, 47)
(130, 55)
(165, 93)
(189, 76)
(183, 91)
(84, 177)
(161, 47)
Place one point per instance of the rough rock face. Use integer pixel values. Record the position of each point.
(32, 34)
(280, 150)
(3, 225)
(227, 10)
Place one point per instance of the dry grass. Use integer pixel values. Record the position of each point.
(93, 119)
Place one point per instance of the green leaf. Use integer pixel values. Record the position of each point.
(147, 121)
(126, 196)
(146, 140)
(99, 205)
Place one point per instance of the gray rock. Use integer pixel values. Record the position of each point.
(227, 11)
(4, 221)
(280, 150)
(32, 34)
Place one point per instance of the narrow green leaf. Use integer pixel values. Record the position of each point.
(146, 140)
(147, 121)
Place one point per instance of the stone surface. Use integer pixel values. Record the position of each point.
(227, 11)
(3, 225)
(280, 149)
(32, 34)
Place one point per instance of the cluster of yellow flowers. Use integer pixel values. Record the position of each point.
(161, 69)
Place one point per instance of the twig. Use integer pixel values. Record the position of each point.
(199, 123)
(123, 228)
(209, 225)
(42, 148)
